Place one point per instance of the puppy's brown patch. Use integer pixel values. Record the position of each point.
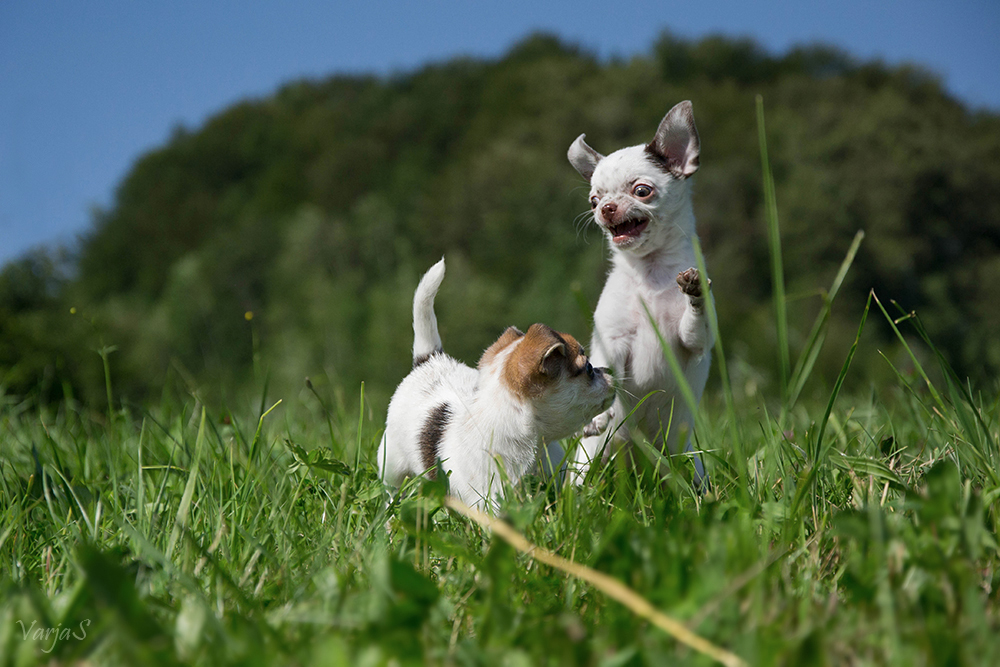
(540, 359)
(505, 339)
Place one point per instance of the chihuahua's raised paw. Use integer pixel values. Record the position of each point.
(690, 283)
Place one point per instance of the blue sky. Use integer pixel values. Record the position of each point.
(87, 87)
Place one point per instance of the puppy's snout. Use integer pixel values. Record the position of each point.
(609, 210)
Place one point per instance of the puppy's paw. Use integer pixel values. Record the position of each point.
(599, 424)
(690, 283)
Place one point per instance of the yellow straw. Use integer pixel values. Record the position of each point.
(608, 585)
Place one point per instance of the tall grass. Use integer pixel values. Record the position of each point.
(860, 529)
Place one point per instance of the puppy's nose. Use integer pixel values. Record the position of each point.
(608, 210)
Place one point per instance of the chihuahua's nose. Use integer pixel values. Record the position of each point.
(608, 210)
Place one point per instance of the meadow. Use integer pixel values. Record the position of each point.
(861, 532)
(851, 528)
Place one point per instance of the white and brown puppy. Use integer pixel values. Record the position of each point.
(641, 198)
(529, 389)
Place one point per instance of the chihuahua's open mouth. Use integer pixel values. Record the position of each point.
(627, 230)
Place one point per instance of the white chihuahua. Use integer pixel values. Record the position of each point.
(641, 197)
(530, 389)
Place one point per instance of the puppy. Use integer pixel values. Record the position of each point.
(529, 389)
(641, 198)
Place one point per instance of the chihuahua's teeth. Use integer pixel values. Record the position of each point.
(627, 229)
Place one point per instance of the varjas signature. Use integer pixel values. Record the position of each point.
(55, 635)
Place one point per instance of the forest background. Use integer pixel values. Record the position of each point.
(283, 238)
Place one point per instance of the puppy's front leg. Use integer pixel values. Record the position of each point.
(694, 333)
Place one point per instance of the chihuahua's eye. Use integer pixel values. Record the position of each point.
(642, 191)
(594, 200)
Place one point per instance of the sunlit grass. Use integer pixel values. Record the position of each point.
(186, 538)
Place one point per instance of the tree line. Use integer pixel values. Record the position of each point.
(284, 237)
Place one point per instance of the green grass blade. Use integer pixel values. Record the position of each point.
(736, 441)
(140, 493)
(863, 465)
(260, 428)
(819, 450)
(916, 363)
(184, 509)
(807, 359)
(777, 268)
(361, 421)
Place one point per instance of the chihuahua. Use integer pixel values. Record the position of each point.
(529, 389)
(641, 199)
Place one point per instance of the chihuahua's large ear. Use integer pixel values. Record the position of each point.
(583, 158)
(676, 143)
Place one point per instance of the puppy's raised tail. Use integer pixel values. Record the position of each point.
(426, 339)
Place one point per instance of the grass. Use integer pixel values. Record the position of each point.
(858, 529)
(179, 538)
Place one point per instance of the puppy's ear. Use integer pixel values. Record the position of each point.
(553, 359)
(583, 158)
(505, 339)
(676, 143)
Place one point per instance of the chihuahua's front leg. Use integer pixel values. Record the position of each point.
(599, 424)
(694, 333)
(595, 434)
(603, 356)
(596, 447)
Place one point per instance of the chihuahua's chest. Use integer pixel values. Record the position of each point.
(624, 328)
